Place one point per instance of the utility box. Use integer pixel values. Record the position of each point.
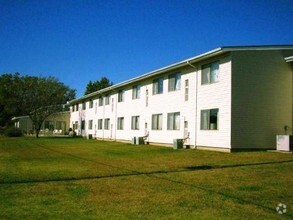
(139, 140)
(285, 142)
(177, 144)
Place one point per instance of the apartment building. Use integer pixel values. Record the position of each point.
(230, 98)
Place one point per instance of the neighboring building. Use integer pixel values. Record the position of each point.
(230, 98)
(56, 124)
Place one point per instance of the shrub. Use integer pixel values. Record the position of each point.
(13, 132)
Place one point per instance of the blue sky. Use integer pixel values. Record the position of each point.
(79, 41)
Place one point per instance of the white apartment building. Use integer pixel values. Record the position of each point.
(230, 98)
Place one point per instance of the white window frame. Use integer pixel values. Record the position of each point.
(107, 124)
(136, 92)
(120, 123)
(135, 122)
(210, 73)
(174, 82)
(158, 86)
(173, 121)
(121, 94)
(209, 119)
(90, 125)
(100, 124)
(157, 121)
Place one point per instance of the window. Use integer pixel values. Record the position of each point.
(174, 82)
(100, 124)
(76, 107)
(157, 120)
(107, 124)
(135, 122)
(90, 124)
(120, 125)
(107, 100)
(209, 119)
(50, 125)
(82, 124)
(121, 96)
(83, 106)
(173, 121)
(72, 108)
(91, 104)
(210, 73)
(75, 125)
(186, 91)
(101, 101)
(158, 86)
(136, 92)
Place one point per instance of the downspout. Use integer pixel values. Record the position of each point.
(196, 95)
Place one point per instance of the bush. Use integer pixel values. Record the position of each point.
(13, 132)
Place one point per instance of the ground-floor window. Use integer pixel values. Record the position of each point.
(90, 124)
(135, 122)
(82, 124)
(107, 124)
(157, 121)
(100, 124)
(209, 119)
(173, 121)
(120, 124)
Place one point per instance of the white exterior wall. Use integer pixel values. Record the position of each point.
(216, 95)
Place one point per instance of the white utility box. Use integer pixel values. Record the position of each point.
(285, 142)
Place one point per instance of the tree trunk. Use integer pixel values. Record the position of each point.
(37, 133)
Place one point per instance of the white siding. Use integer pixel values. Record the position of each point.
(216, 95)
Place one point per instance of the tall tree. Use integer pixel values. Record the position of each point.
(104, 82)
(30, 95)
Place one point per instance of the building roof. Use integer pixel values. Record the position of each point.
(187, 62)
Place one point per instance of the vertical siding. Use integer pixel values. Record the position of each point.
(262, 97)
(216, 95)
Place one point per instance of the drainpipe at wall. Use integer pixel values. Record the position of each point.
(196, 95)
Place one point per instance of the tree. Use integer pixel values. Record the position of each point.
(30, 95)
(104, 82)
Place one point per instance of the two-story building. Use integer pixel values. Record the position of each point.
(230, 98)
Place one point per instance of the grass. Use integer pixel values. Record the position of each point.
(62, 178)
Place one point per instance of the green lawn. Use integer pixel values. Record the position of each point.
(63, 178)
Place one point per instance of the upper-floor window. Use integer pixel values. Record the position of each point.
(158, 86)
(209, 119)
(210, 73)
(91, 104)
(174, 82)
(136, 92)
(76, 107)
(101, 101)
(72, 108)
(173, 121)
(121, 95)
(83, 106)
(157, 121)
(107, 99)
(135, 122)
(120, 123)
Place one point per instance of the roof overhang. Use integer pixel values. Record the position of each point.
(184, 63)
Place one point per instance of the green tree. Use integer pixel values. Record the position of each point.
(30, 95)
(104, 82)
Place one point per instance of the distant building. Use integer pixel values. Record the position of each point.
(56, 124)
(230, 98)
